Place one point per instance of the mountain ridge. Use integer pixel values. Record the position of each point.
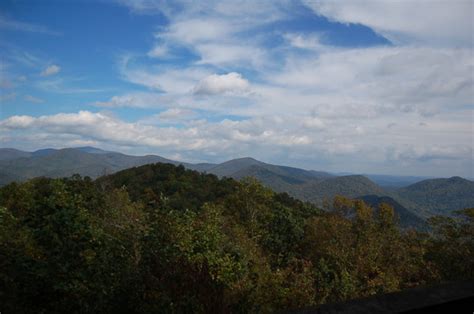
(424, 199)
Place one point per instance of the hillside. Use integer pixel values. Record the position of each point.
(65, 162)
(238, 167)
(11, 153)
(424, 198)
(349, 186)
(439, 196)
(161, 238)
(407, 218)
(394, 182)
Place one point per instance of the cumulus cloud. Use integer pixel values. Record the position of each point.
(425, 22)
(269, 138)
(286, 97)
(198, 136)
(374, 81)
(231, 83)
(51, 70)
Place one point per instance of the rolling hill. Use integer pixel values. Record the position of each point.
(65, 162)
(407, 218)
(438, 196)
(424, 198)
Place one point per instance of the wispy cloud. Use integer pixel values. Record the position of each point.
(9, 24)
(61, 86)
(444, 23)
(7, 97)
(33, 99)
(51, 70)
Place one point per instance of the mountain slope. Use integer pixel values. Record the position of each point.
(439, 196)
(11, 153)
(279, 178)
(65, 162)
(349, 186)
(407, 218)
(425, 198)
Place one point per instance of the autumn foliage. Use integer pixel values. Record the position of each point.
(163, 239)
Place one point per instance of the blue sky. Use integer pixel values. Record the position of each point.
(361, 86)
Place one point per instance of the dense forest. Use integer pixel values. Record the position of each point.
(160, 238)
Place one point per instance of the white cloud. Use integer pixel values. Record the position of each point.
(270, 138)
(223, 54)
(215, 30)
(17, 122)
(414, 22)
(134, 100)
(198, 30)
(172, 116)
(51, 70)
(200, 135)
(329, 104)
(231, 83)
(176, 114)
(159, 51)
(170, 80)
(314, 123)
(302, 41)
(376, 81)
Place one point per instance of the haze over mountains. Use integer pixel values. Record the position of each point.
(412, 197)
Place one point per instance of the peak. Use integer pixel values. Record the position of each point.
(44, 152)
(245, 160)
(457, 179)
(91, 150)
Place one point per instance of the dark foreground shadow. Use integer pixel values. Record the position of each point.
(454, 297)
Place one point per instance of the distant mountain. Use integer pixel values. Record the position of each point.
(11, 153)
(439, 196)
(43, 152)
(232, 167)
(65, 162)
(239, 168)
(388, 181)
(92, 150)
(350, 186)
(424, 198)
(407, 218)
(279, 178)
(313, 186)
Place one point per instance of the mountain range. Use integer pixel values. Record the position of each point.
(413, 198)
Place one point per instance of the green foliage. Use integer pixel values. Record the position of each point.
(438, 196)
(161, 239)
(452, 247)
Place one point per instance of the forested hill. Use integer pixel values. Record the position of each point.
(160, 238)
(439, 196)
(423, 199)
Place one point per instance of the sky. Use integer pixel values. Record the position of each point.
(364, 86)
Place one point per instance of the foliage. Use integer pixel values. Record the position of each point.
(160, 238)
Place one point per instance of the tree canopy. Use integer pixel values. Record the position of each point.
(159, 238)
